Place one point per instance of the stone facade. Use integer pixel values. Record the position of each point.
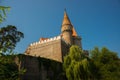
(51, 49)
(38, 68)
(57, 47)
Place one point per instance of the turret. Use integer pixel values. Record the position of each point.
(66, 29)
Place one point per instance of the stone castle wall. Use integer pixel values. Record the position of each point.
(38, 68)
(53, 48)
(31, 65)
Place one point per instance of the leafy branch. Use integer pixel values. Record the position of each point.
(3, 12)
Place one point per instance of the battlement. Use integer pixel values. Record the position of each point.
(46, 40)
(47, 48)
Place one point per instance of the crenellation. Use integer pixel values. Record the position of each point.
(44, 41)
(36, 43)
(31, 44)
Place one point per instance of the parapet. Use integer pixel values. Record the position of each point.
(45, 40)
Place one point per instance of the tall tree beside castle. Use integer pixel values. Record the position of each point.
(9, 36)
(78, 66)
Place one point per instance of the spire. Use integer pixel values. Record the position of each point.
(66, 19)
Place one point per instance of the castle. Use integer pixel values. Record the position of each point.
(57, 47)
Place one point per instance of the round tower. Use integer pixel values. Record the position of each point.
(66, 29)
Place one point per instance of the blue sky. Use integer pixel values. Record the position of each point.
(96, 21)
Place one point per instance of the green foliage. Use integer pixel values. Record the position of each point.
(107, 63)
(9, 36)
(8, 68)
(3, 10)
(77, 65)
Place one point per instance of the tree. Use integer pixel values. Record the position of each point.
(8, 68)
(9, 36)
(107, 62)
(77, 65)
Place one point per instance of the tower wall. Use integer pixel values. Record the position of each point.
(67, 36)
(65, 48)
(67, 33)
(77, 41)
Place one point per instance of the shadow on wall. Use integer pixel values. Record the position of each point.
(38, 68)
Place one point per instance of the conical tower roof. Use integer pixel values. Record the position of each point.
(66, 19)
(74, 32)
